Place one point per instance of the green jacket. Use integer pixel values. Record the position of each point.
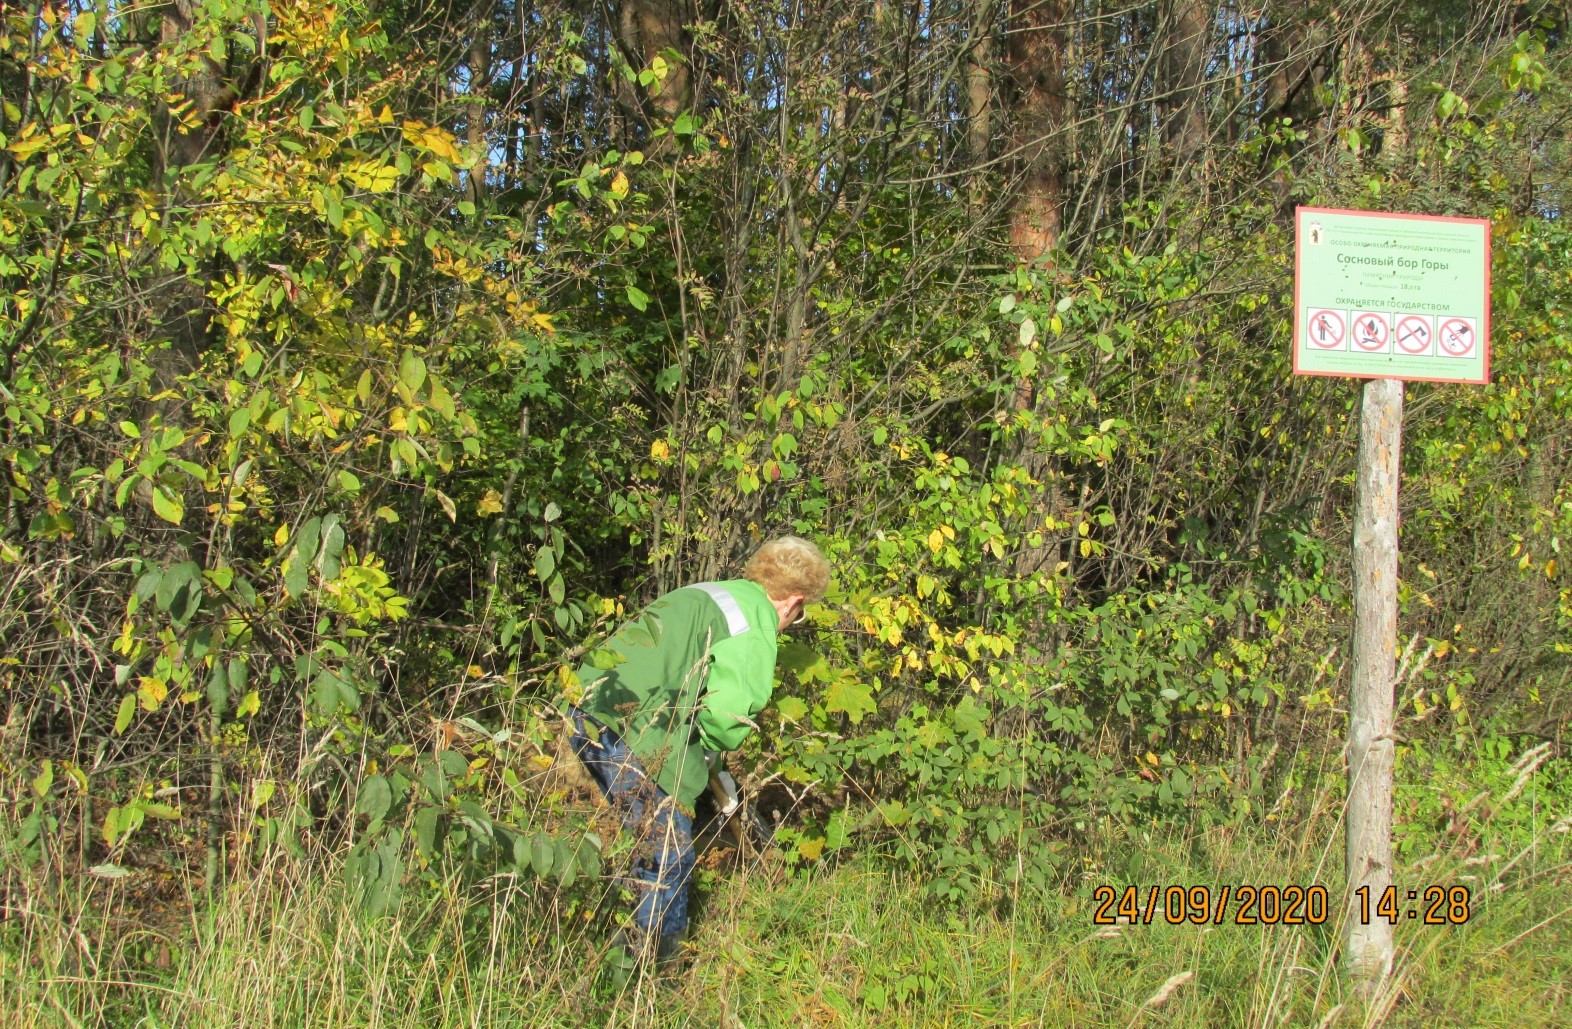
(689, 674)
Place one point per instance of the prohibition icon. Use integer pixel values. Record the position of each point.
(1457, 337)
(1415, 335)
(1372, 332)
(1325, 330)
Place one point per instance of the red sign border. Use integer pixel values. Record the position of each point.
(1299, 245)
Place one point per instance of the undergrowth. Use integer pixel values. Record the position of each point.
(848, 943)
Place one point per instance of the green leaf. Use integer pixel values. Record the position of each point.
(412, 370)
(453, 763)
(174, 579)
(441, 400)
(545, 563)
(426, 831)
(801, 660)
(168, 506)
(239, 420)
(218, 688)
(969, 717)
(306, 540)
(325, 693)
(638, 298)
(791, 709)
(851, 697)
(567, 865)
(237, 674)
(44, 779)
(375, 798)
(130, 429)
(295, 577)
(157, 810)
(541, 854)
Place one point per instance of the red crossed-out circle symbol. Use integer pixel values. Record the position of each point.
(1371, 331)
(1414, 334)
(1456, 336)
(1325, 329)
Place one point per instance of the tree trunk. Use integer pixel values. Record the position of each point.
(479, 95)
(648, 28)
(979, 95)
(1035, 57)
(183, 142)
(1186, 52)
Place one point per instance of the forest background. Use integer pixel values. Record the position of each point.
(361, 361)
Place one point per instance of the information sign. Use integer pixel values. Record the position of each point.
(1391, 296)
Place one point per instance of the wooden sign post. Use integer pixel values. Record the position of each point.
(1368, 858)
(1384, 297)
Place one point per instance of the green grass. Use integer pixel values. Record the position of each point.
(849, 945)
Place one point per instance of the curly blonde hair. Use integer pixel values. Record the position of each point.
(790, 565)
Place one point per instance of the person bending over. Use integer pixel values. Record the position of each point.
(682, 680)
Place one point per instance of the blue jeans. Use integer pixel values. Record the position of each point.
(663, 859)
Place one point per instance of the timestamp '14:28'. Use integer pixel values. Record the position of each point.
(1437, 905)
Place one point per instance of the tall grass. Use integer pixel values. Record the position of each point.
(845, 944)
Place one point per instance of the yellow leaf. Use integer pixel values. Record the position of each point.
(281, 536)
(372, 175)
(151, 692)
(1550, 569)
(659, 450)
(489, 504)
(440, 143)
(936, 541)
(475, 671)
(385, 117)
(811, 849)
(949, 533)
(27, 147)
(1225, 708)
(619, 185)
(541, 761)
(1151, 759)
(250, 705)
